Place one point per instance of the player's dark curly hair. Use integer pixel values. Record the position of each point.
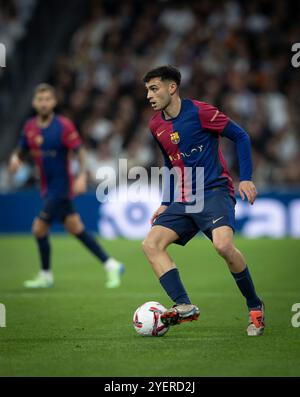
(166, 72)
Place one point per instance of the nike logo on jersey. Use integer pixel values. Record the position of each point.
(160, 132)
(216, 220)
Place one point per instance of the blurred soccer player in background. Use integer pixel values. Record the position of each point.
(51, 140)
(188, 133)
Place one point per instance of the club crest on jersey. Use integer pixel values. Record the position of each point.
(39, 140)
(175, 138)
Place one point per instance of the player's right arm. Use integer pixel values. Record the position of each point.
(15, 162)
(167, 189)
(18, 156)
(168, 184)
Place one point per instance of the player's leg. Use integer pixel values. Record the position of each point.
(114, 269)
(155, 248)
(222, 238)
(40, 229)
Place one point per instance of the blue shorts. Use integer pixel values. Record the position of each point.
(218, 211)
(57, 208)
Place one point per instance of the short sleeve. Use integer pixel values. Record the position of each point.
(211, 118)
(70, 136)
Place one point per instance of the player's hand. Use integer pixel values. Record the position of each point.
(159, 211)
(14, 164)
(80, 184)
(248, 189)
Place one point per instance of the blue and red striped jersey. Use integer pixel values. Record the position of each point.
(50, 148)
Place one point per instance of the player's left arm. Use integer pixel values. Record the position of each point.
(243, 148)
(72, 141)
(80, 183)
(18, 156)
(215, 121)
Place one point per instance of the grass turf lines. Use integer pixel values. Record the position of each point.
(78, 328)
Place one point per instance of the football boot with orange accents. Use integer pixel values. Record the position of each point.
(256, 321)
(180, 314)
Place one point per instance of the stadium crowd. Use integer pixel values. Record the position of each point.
(13, 17)
(233, 54)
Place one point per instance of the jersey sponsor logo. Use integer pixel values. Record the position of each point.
(43, 153)
(178, 156)
(175, 138)
(36, 153)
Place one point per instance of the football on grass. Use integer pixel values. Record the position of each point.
(146, 319)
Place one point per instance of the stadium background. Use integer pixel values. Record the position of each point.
(234, 54)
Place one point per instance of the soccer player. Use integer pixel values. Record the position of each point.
(188, 133)
(51, 139)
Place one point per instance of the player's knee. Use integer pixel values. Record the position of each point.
(39, 230)
(75, 229)
(223, 247)
(148, 246)
(74, 225)
(151, 246)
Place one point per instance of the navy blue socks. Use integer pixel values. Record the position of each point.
(44, 249)
(91, 243)
(173, 286)
(245, 284)
(88, 240)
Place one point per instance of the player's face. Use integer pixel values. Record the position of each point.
(44, 102)
(159, 93)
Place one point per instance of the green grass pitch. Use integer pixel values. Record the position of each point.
(78, 328)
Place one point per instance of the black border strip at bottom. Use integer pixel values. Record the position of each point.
(137, 385)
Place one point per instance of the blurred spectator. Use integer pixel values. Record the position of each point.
(100, 159)
(13, 17)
